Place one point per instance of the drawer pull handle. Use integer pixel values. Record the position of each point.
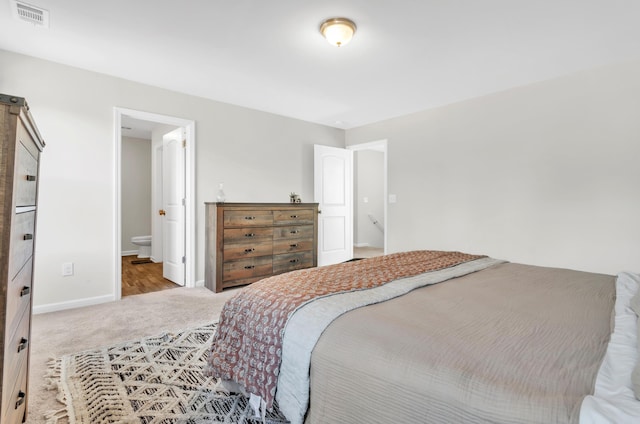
(249, 250)
(25, 291)
(31, 177)
(250, 218)
(249, 235)
(294, 245)
(249, 267)
(294, 216)
(21, 398)
(294, 231)
(23, 344)
(28, 237)
(293, 261)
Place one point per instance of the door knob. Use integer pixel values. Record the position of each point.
(162, 212)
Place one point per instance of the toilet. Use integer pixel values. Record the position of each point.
(144, 245)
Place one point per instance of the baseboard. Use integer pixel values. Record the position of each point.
(361, 244)
(199, 283)
(53, 307)
(129, 252)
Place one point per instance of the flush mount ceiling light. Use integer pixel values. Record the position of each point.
(338, 31)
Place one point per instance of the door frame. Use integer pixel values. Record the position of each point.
(190, 210)
(379, 145)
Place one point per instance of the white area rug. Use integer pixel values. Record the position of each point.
(155, 380)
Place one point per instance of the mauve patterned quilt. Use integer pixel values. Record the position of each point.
(247, 348)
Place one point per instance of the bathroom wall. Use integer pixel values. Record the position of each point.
(136, 191)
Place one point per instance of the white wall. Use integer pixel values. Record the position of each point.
(260, 157)
(136, 190)
(369, 184)
(546, 174)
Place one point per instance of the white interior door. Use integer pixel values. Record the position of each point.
(173, 196)
(157, 220)
(333, 191)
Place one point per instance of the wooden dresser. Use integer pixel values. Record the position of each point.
(21, 145)
(246, 242)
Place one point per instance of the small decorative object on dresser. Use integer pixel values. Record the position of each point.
(246, 242)
(294, 198)
(20, 147)
(220, 196)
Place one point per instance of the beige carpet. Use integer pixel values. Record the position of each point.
(367, 252)
(61, 333)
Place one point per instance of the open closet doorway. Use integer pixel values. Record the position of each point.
(335, 180)
(155, 213)
(369, 199)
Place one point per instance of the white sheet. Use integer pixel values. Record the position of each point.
(613, 400)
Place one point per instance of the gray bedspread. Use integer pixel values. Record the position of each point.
(509, 344)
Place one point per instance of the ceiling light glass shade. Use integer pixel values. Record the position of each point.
(338, 31)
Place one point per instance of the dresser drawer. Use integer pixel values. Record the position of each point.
(20, 146)
(21, 241)
(14, 394)
(241, 240)
(18, 297)
(247, 218)
(291, 245)
(15, 374)
(247, 268)
(293, 217)
(292, 261)
(293, 232)
(16, 348)
(247, 250)
(26, 176)
(245, 235)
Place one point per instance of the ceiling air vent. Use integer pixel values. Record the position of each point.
(31, 14)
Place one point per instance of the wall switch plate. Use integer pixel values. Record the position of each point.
(67, 269)
(392, 198)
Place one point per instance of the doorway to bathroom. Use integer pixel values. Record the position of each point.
(155, 197)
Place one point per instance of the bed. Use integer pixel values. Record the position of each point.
(431, 336)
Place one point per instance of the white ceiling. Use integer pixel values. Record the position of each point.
(407, 55)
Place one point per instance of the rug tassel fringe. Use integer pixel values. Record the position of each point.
(52, 382)
(53, 374)
(54, 417)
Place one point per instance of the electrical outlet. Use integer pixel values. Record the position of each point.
(67, 269)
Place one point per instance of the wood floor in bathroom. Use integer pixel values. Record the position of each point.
(141, 276)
